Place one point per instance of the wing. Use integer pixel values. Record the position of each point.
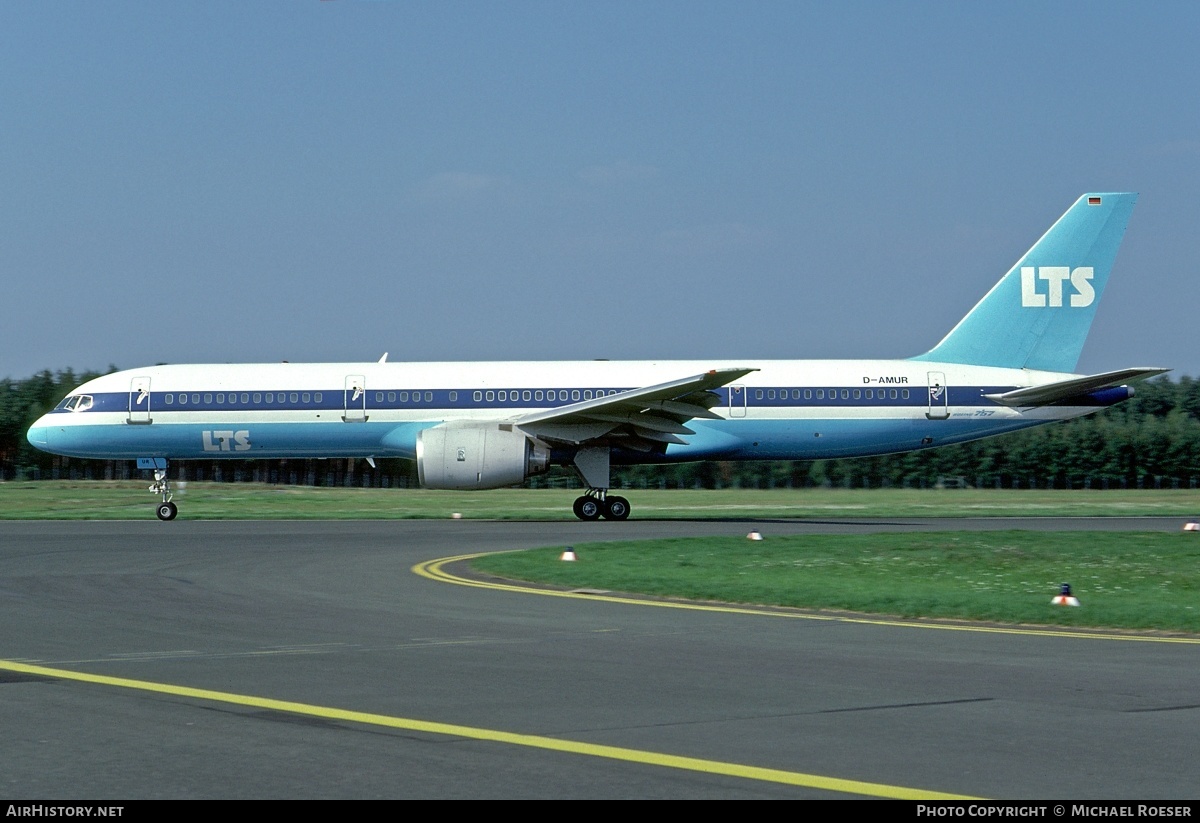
(1076, 387)
(645, 419)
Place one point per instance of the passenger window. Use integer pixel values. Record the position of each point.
(477, 396)
(306, 397)
(575, 394)
(820, 394)
(502, 396)
(403, 397)
(525, 395)
(537, 395)
(220, 398)
(490, 396)
(587, 394)
(257, 398)
(207, 398)
(758, 394)
(245, 397)
(428, 397)
(378, 397)
(183, 399)
(808, 394)
(904, 393)
(453, 397)
(845, 394)
(293, 397)
(169, 399)
(857, 394)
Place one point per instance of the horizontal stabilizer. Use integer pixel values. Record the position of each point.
(1063, 390)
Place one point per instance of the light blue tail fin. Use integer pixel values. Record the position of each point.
(1038, 315)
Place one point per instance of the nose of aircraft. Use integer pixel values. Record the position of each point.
(39, 434)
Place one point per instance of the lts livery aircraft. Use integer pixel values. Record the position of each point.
(1007, 365)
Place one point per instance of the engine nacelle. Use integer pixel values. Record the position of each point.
(478, 456)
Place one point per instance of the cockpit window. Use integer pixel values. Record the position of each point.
(76, 403)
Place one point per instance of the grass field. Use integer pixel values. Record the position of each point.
(1143, 580)
(121, 500)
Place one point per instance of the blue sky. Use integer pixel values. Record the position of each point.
(326, 181)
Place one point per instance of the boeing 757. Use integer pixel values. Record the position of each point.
(1008, 365)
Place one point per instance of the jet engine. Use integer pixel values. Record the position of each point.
(478, 456)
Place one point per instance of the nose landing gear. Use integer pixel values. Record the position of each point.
(166, 510)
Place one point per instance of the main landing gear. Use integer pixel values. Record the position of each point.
(592, 465)
(597, 503)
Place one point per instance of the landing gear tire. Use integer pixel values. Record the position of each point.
(166, 511)
(616, 508)
(587, 508)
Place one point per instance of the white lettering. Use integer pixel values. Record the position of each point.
(39, 810)
(1081, 279)
(226, 440)
(1029, 292)
(1054, 277)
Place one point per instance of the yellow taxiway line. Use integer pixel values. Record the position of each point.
(436, 570)
(670, 761)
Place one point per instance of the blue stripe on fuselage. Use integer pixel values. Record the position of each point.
(440, 399)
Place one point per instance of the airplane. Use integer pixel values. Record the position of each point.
(1007, 365)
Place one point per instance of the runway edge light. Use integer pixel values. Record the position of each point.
(754, 535)
(568, 554)
(1192, 526)
(1064, 597)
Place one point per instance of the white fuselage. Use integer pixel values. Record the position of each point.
(785, 409)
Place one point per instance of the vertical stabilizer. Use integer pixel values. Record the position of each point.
(1038, 315)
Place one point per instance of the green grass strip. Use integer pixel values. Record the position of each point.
(1136, 580)
(125, 500)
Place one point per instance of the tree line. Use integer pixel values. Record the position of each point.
(1149, 441)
